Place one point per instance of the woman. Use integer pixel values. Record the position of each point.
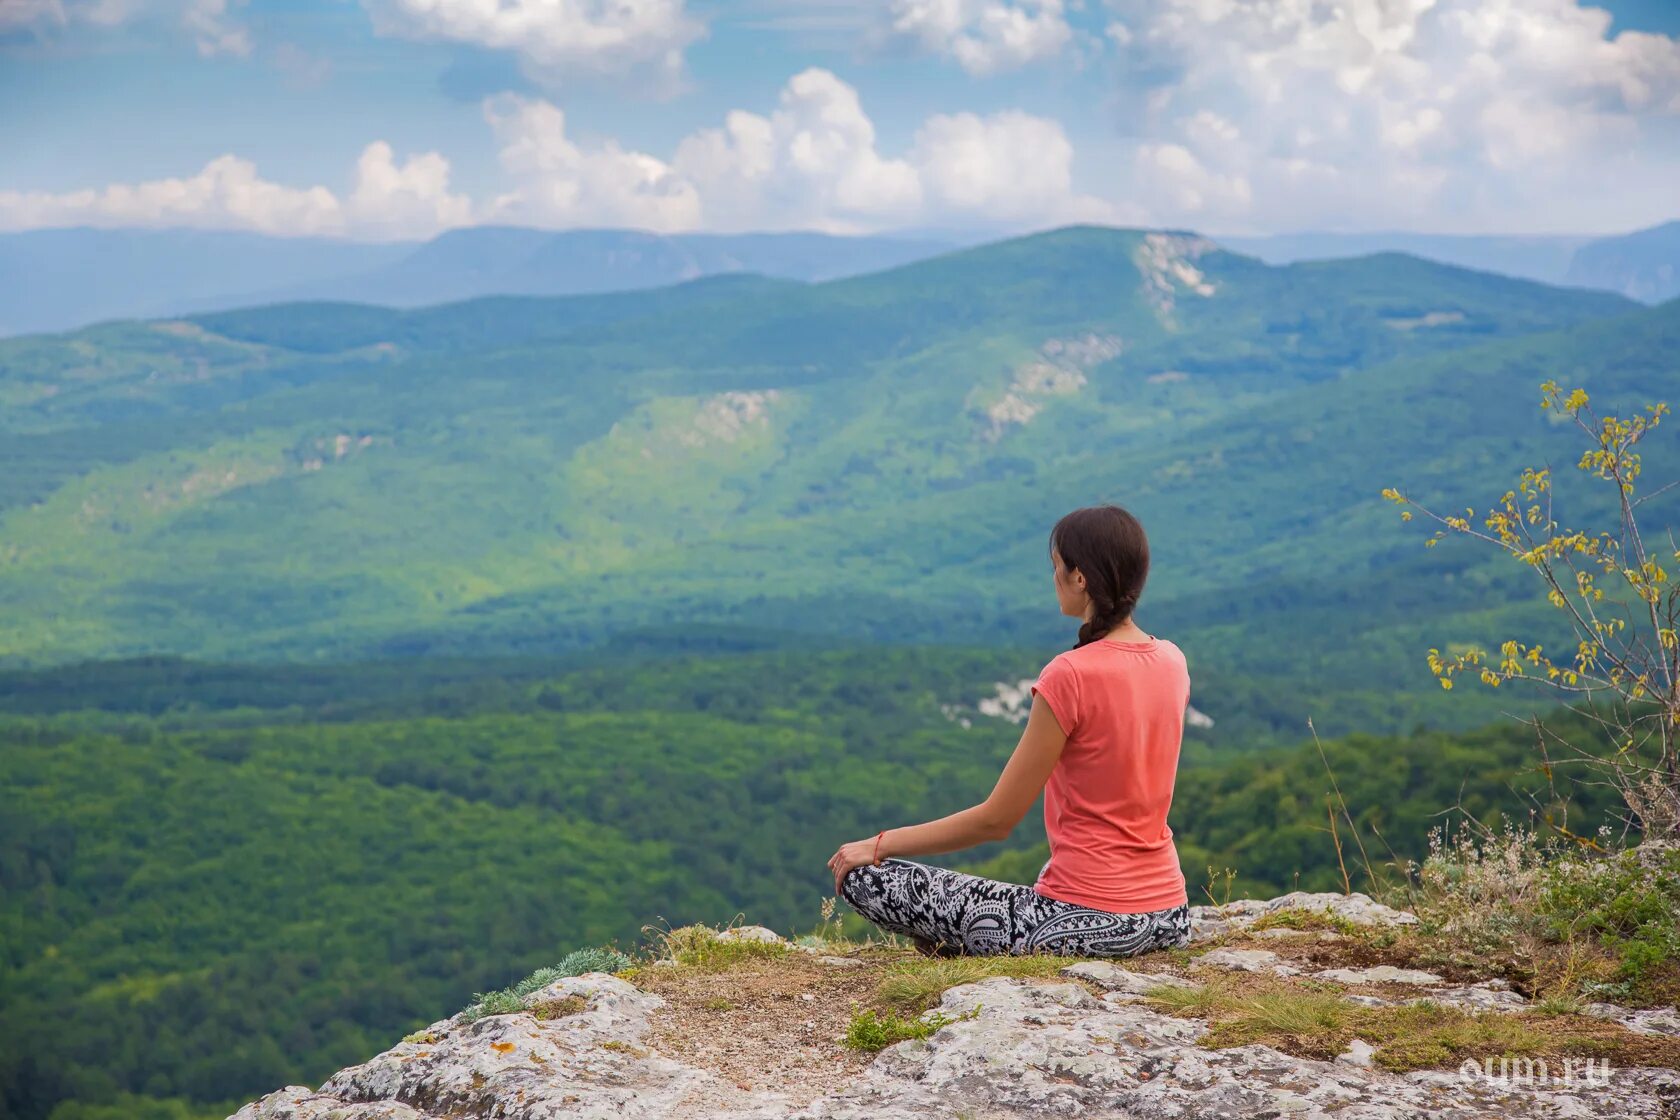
(1102, 742)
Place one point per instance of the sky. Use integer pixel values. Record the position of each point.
(398, 119)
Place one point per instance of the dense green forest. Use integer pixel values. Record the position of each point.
(219, 879)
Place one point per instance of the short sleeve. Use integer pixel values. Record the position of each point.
(1059, 685)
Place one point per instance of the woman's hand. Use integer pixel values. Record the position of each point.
(855, 854)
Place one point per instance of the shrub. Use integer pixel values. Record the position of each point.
(1557, 916)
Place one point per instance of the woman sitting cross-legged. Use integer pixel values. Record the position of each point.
(1101, 742)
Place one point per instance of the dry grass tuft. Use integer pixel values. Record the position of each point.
(917, 985)
(1311, 1019)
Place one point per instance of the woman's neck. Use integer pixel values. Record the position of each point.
(1127, 631)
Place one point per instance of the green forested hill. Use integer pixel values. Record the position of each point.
(281, 871)
(880, 456)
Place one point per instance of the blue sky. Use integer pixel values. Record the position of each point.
(378, 119)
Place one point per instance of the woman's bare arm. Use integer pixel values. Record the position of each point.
(1017, 788)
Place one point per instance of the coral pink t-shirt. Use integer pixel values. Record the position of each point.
(1105, 804)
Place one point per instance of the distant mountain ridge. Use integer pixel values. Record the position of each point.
(63, 279)
(1642, 265)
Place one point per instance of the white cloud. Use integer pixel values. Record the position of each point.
(44, 15)
(561, 183)
(299, 68)
(391, 202)
(1007, 166)
(1466, 114)
(1176, 181)
(812, 163)
(213, 29)
(555, 39)
(985, 36)
(228, 193)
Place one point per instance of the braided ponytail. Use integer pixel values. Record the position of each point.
(1107, 545)
(1102, 620)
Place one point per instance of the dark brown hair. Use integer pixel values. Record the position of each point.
(1106, 544)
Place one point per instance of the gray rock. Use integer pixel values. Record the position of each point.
(1380, 974)
(1476, 997)
(1041, 1049)
(298, 1102)
(1117, 979)
(1035, 1048)
(586, 1064)
(1650, 1020)
(1479, 997)
(1361, 909)
(1358, 1053)
(1367, 1001)
(1247, 960)
(750, 933)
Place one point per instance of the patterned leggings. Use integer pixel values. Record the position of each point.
(986, 917)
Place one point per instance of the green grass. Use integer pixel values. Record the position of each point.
(1297, 917)
(918, 985)
(871, 1031)
(701, 947)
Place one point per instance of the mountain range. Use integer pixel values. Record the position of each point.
(63, 279)
(878, 457)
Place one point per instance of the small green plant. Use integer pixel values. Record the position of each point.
(575, 963)
(1223, 898)
(828, 933)
(1631, 907)
(1547, 912)
(580, 961)
(869, 1031)
(705, 948)
(502, 1002)
(1299, 917)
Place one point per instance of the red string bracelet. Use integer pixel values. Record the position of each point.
(876, 858)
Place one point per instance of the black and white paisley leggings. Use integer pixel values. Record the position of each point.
(988, 917)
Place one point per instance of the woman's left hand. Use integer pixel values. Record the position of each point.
(855, 854)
